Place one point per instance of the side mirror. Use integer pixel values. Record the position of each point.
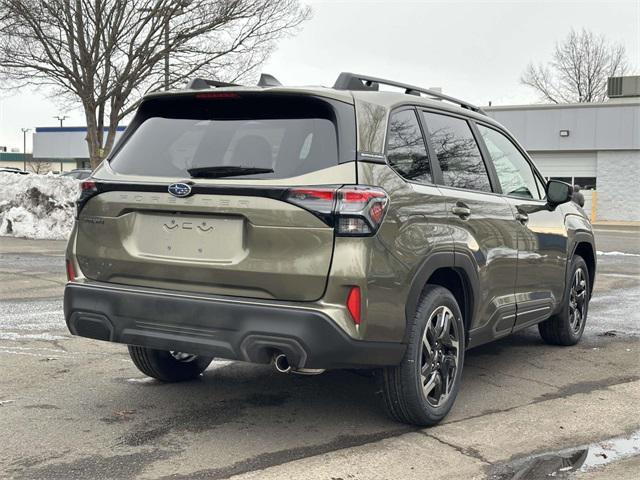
(558, 193)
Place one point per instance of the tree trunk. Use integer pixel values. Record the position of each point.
(93, 139)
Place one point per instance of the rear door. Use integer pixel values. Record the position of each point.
(482, 223)
(542, 239)
(232, 235)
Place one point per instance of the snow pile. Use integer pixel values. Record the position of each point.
(37, 206)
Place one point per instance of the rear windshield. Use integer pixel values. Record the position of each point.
(290, 135)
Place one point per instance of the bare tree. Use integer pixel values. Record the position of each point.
(579, 69)
(38, 166)
(105, 54)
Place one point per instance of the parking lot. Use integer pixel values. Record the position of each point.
(76, 408)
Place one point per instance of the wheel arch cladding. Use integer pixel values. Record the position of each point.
(439, 269)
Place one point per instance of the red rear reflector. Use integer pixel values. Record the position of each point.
(353, 304)
(71, 272)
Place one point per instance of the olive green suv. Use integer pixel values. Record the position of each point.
(322, 228)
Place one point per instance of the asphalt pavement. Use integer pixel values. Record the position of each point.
(76, 408)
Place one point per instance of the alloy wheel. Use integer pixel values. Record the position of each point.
(440, 356)
(577, 300)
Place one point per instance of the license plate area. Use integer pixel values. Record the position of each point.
(201, 238)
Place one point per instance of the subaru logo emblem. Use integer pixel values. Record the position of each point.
(179, 189)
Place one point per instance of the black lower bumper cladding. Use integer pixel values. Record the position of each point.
(222, 327)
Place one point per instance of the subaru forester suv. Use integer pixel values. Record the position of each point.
(323, 228)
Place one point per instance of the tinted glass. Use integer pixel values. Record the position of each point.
(406, 150)
(585, 183)
(457, 152)
(514, 172)
(172, 138)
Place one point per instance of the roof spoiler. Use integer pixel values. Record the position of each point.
(354, 81)
(266, 80)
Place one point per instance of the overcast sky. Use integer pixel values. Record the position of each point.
(474, 49)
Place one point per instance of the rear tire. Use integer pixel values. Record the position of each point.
(566, 327)
(422, 389)
(168, 366)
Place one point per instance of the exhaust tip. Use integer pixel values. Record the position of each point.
(281, 363)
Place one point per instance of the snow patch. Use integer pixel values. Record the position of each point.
(15, 336)
(142, 380)
(616, 253)
(37, 206)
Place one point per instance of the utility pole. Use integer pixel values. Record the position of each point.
(166, 52)
(62, 119)
(24, 146)
(165, 13)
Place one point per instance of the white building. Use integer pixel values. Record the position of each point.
(56, 144)
(594, 145)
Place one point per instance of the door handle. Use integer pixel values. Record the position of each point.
(461, 211)
(522, 217)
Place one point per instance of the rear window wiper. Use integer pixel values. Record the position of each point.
(225, 171)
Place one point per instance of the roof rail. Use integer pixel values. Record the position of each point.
(354, 81)
(202, 84)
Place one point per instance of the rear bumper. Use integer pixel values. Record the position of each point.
(222, 327)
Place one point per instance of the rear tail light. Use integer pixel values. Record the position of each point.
(88, 189)
(353, 210)
(71, 271)
(360, 210)
(318, 200)
(354, 302)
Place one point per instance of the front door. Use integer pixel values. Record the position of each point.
(542, 240)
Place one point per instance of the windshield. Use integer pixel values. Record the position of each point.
(283, 143)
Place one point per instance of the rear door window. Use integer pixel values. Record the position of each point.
(457, 152)
(174, 135)
(406, 150)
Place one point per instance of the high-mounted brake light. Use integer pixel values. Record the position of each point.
(354, 210)
(354, 302)
(217, 96)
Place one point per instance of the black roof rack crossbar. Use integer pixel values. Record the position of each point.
(354, 81)
(202, 84)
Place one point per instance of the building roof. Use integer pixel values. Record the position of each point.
(584, 126)
(634, 101)
(119, 128)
